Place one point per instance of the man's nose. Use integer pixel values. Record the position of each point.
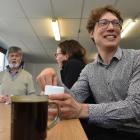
(14, 58)
(110, 26)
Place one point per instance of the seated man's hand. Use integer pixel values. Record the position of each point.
(5, 99)
(69, 107)
(47, 77)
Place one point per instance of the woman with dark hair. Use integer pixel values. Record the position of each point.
(71, 58)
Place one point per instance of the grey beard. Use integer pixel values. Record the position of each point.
(14, 65)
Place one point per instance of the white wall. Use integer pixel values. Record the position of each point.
(35, 69)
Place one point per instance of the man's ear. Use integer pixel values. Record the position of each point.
(91, 34)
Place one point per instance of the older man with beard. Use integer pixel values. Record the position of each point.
(15, 80)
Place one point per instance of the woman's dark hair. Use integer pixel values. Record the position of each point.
(73, 49)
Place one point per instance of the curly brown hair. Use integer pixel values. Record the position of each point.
(98, 12)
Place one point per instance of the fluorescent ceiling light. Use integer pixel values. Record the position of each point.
(55, 29)
(128, 25)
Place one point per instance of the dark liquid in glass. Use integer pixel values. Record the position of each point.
(29, 121)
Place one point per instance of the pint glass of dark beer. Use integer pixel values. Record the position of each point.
(29, 116)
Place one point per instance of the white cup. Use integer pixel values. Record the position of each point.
(53, 90)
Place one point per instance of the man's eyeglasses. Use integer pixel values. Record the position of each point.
(104, 23)
(56, 54)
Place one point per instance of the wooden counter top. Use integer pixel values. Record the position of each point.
(64, 130)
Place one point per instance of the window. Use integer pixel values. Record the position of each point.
(2, 58)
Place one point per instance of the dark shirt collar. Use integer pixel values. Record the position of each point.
(16, 72)
(117, 55)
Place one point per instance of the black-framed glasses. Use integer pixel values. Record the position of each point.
(56, 54)
(104, 23)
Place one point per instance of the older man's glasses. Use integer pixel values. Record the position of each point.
(104, 23)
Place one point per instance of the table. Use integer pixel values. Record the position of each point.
(64, 130)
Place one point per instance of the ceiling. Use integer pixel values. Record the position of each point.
(26, 23)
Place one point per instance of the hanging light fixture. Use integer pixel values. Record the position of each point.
(55, 29)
